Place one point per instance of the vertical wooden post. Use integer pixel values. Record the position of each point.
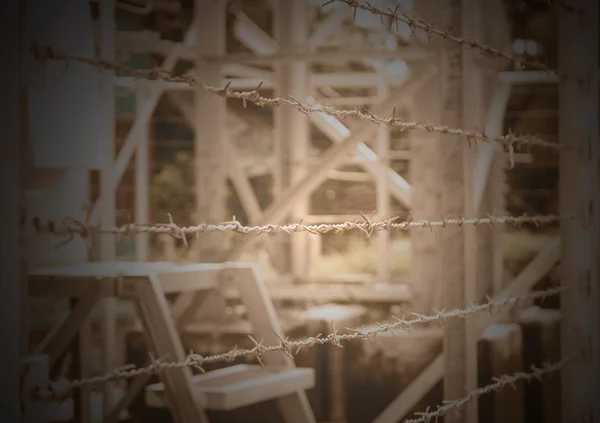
(292, 129)
(107, 193)
(473, 108)
(142, 183)
(383, 194)
(579, 191)
(452, 195)
(210, 127)
(458, 243)
(10, 214)
(425, 177)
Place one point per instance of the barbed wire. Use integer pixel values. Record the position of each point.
(508, 141)
(60, 389)
(70, 228)
(536, 373)
(415, 23)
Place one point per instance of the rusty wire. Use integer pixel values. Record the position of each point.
(62, 388)
(69, 228)
(536, 373)
(508, 141)
(415, 23)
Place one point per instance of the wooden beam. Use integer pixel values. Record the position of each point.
(456, 246)
(523, 283)
(528, 77)
(56, 346)
(489, 193)
(325, 29)
(142, 184)
(142, 118)
(252, 36)
(423, 383)
(409, 54)
(236, 173)
(295, 407)
(579, 191)
(291, 129)
(336, 131)
(383, 194)
(494, 127)
(210, 122)
(330, 160)
(353, 79)
(425, 168)
(164, 341)
(261, 43)
(133, 389)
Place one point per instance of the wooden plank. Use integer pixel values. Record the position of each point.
(143, 116)
(494, 127)
(474, 103)
(193, 277)
(425, 168)
(383, 293)
(501, 353)
(325, 29)
(10, 215)
(55, 346)
(164, 341)
(383, 202)
(142, 182)
(260, 311)
(454, 202)
(330, 160)
(579, 193)
(238, 386)
(489, 194)
(417, 390)
(336, 131)
(523, 283)
(407, 53)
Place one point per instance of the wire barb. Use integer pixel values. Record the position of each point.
(70, 227)
(415, 23)
(289, 348)
(536, 373)
(508, 141)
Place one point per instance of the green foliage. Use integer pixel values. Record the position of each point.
(173, 190)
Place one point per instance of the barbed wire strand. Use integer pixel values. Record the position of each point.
(71, 227)
(509, 141)
(414, 23)
(61, 388)
(536, 373)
